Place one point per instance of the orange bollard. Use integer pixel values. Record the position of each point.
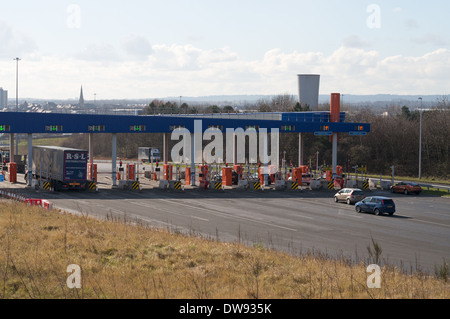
(92, 172)
(131, 171)
(12, 172)
(227, 176)
(167, 172)
(187, 176)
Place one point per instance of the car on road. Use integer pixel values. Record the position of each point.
(406, 188)
(349, 195)
(377, 205)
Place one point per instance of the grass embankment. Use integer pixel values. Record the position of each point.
(124, 260)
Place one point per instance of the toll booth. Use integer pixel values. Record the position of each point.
(167, 172)
(261, 175)
(131, 172)
(297, 175)
(12, 173)
(329, 173)
(92, 172)
(203, 172)
(339, 170)
(304, 169)
(227, 176)
(187, 176)
(239, 171)
(274, 173)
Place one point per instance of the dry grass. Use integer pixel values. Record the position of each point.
(120, 260)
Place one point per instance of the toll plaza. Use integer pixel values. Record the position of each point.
(198, 171)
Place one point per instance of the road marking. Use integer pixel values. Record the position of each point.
(229, 216)
(290, 209)
(166, 210)
(341, 213)
(427, 222)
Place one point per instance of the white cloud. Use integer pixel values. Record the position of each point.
(173, 70)
(13, 43)
(354, 41)
(411, 24)
(433, 39)
(100, 52)
(137, 46)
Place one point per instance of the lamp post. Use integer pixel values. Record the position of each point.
(420, 140)
(17, 101)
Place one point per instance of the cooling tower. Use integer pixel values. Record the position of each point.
(308, 89)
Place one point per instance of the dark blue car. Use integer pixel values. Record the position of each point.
(377, 205)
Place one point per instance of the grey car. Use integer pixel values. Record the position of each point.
(349, 195)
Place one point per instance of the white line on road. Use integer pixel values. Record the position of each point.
(229, 216)
(166, 210)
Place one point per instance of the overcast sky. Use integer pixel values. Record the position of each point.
(145, 49)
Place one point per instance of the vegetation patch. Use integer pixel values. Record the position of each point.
(134, 261)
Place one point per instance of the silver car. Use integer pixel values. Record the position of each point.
(349, 195)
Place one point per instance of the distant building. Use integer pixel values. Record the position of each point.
(3, 98)
(81, 101)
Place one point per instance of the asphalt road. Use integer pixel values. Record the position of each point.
(417, 237)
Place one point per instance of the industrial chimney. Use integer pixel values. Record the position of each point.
(308, 89)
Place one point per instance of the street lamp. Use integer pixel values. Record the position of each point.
(420, 140)
(17, 100)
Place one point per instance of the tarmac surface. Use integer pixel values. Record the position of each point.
(416, 238)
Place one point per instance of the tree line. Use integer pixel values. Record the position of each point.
(393, 140)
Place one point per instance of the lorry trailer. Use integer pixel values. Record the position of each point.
(64, 168)
(149, 154)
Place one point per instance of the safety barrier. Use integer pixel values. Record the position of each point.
(33, 202)
(217, 185)
(257, 186)
(294, 186)
(47, 204)
(92, 186)
(176, 185)
(135, 186)
(29, 201)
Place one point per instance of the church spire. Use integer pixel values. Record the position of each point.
(81, 101)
